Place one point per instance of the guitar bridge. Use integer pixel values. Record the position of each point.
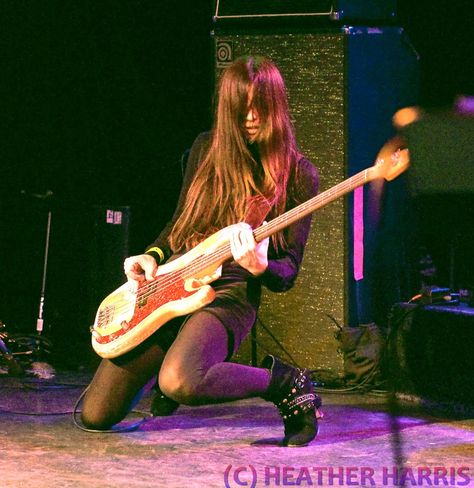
(125, 325)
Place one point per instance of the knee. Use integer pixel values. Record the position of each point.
(94, 420)
(179, 387)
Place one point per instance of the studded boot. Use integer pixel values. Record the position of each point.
(292, 392)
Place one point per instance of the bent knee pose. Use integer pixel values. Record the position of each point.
(246, 170)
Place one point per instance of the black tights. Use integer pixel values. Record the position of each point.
(191, 372)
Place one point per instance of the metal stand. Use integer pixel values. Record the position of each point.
(40, 321)
(39, 345)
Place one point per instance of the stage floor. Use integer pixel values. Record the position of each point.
(229, 445)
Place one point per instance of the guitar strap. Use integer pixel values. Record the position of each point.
(258, 208)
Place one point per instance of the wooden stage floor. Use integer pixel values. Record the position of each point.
(229, 445)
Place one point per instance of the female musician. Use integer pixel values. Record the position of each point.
(248, 169)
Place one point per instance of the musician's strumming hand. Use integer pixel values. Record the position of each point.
(140, 268)
(250, 255)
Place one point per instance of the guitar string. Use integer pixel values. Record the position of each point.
(204, 261)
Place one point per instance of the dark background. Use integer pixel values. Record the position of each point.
(98, 102)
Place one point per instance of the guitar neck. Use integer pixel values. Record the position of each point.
(313, 204)
(223, 253)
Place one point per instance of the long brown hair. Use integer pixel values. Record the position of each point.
(230, 176)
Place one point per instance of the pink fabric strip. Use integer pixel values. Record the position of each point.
(359, 233)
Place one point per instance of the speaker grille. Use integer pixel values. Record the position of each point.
(312, 65)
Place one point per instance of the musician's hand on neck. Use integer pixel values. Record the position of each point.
(249, 254)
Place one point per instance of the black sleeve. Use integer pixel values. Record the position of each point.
(283, 267)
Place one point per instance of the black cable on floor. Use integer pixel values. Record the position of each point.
(74, 412)
(34, 414)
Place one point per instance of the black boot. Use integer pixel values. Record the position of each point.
(161, 405)
(292, 392)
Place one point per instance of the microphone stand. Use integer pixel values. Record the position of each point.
(40, 320)
(42, 345)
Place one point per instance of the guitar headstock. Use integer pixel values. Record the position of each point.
(392, 160)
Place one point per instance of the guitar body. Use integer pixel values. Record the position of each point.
(134, 311)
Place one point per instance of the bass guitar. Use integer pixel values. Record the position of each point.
(134, 311)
